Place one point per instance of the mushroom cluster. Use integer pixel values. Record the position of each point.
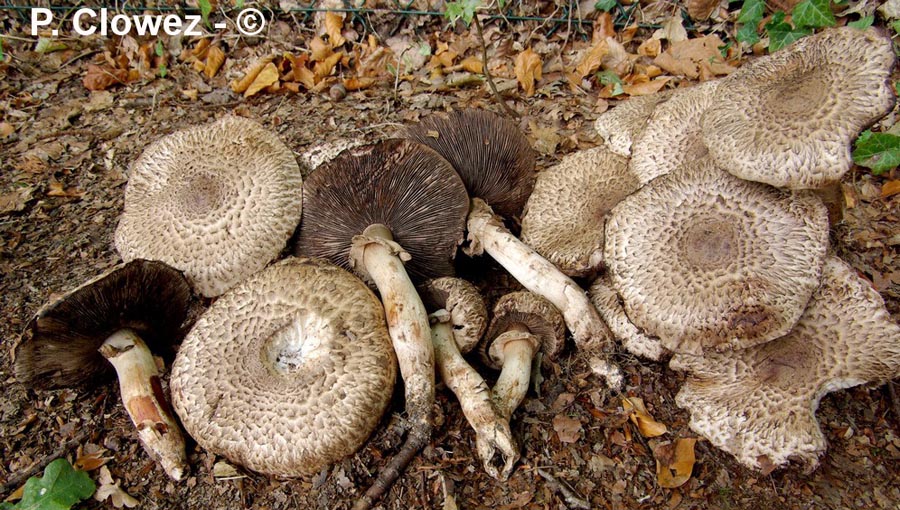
(716, 247)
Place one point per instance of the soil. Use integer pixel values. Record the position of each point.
(68, 158)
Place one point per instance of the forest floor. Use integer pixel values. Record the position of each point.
(73, 117)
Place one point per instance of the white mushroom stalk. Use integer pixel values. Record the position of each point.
(535, 273)
(143, 399)
(519, 348)
(492, 432)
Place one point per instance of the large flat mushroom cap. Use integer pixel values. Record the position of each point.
(217, 201)
(461, 299)
(59, 346)
(704, 260)
(788, 119)
(288, 371)
(671, 136)
(622, 124)
(490, 153)
(759, 403)
(565, 214)
(401, 184)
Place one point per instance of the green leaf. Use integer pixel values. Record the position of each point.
(205, 10)
(611, 78)
(159, 49)
(2, 58)
(748, 34)
(752, 11)
(782, 33)
(896, 26)
(878, 151)
(813, 14)
(60, 488)
(605, 5)
(461, 9)
(862, 23)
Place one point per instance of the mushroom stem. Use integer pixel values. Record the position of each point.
(492, 431)
(144, 400)
(535, 273)
(408, 326)
(512, 385)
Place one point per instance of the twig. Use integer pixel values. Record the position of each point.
(487, 74)
(569, 496)
(19, 478)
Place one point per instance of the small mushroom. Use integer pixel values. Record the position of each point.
(606, 300)
(704, 260)
(788, 119)
(457, 324)
(287, 372)
(524, 324)
(373, 209)
(218, 202)
(622, 124)
(759, 404)
(672, 135)
(565, 214)
(117, 318)
(496, 163)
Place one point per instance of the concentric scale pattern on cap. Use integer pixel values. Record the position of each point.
(703, 259)
(217, 201)
(760, 403)
(288, 371)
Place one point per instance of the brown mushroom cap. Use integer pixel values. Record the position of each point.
(672, 137)
(622, 124)
(490, 153)
(760, 402)
(401, 184)
(702, 259)
(564, 216)
(59, 346)
(287, 372)
(468, 314)
(217, 201)
(524, 308)
(788, 119)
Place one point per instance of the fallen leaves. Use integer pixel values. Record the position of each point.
(109, 489)
(695, 58)
(102, 77)
(638, 414)
(567, 429)
(528, 70)
(674, 462)
(15, 201)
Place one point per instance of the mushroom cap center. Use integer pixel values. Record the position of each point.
(291, 347)
(202, 194)
(709, 242)
(799, 95)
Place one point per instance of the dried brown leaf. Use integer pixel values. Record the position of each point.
(528, 70)
(267, 77)
(592, 59)
(91, 461)
(56, 189)
(890, 189)
(650, 48)
(646, 87)
(674, 462)
(326, 67)
(647, 426)
(109, 489)
(215, 57)
(240, 86)
(15, 201)
(700, 10)
(472, 65)
(334, 24)
(604, 27)
(319, 50)
(568, 429)
(672, 30)
(359, 83)
(690, 58)
(103, 77)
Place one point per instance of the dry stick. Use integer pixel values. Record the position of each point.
(487, 74)
(572, 500)
(18, 479)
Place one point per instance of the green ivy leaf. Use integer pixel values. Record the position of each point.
(782, 33)
(2, 56)
(60, 488)
(611, 78)
(462, 9)
(813, 14)
(747, 34)
(862, 23)
(205, 10)
(896, 26)
(878, 151)
(752, 11)
(605, 5)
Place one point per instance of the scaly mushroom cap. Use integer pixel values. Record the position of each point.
(672, 137)
(702, 259)
(565, 214)
(401, 184)
(490, 153)
(468, 314)
(621, 125)
(606, 301)
(287, 372)
(59, 346)
(759, 403)
(789, 119)
(217, 201)
(524, 308)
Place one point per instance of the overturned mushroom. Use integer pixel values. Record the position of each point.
(704, 260)
(217, 201)
(788, 119)
(759, 404)
(494, 160)
(458, 323)
(606, 301)
(119, 316)
(524, 324)
(621, 125)
(287, 372)
(565, 214)
(375, 208)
